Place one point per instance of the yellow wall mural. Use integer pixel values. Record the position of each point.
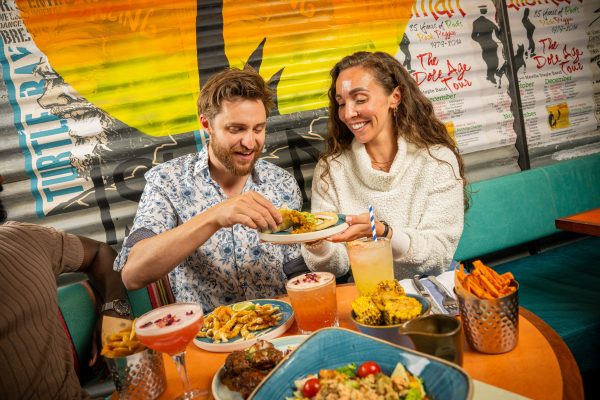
(134, 59)
(137, 59)
(307, 38)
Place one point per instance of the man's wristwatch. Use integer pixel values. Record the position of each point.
(386, 231)
(120, 306)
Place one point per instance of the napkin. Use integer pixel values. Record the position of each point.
(445, 278)
(485, 391)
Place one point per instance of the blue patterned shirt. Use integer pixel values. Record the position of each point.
(231, 265)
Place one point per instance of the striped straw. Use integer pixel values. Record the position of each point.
(372, 217)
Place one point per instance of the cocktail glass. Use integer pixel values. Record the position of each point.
(371, 262)
(313, 299)
(170, 329)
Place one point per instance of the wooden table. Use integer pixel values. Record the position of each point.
(540, 367)
(587, 222)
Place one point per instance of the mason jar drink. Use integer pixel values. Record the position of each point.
(313, 299)
(371, 262)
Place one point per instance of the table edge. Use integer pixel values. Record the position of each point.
(577, 227)
(569, 370)
(567, 217)
(567, 223)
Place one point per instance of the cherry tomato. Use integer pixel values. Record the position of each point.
(311, 387)
(368, 368)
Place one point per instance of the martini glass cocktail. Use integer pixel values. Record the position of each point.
(170, 329)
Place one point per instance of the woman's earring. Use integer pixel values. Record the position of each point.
(395, 112)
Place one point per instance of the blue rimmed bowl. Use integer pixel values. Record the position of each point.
(331, 348)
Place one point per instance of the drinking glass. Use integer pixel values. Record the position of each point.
(314, 301)
(170, 329)
(371, 262)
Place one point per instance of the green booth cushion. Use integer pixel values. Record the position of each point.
(575, 184)
(77, 305)
(514, 209)
(562, 286)
(506, 212)
(140, 301)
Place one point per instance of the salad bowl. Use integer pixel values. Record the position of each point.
(332, 348)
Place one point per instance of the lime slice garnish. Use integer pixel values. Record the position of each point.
(243, 305)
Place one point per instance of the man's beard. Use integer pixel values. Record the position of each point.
(224, 155)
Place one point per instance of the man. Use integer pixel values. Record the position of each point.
(36, 360)
(198, 215)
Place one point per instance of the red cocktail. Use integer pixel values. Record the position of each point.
(170, 329)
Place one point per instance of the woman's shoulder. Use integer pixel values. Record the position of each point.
(437, 160)
(439, 153)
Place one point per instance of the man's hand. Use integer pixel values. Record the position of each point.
(360, 226)
(250, 209)
(95, 360)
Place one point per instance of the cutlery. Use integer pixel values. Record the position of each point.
(423, 292)
(448, 301)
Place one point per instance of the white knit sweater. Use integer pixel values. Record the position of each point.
(420, 197)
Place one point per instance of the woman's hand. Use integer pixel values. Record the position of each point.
(360, 226)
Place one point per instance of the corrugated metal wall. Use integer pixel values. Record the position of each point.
(94, 93)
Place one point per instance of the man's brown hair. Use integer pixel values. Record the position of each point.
(232, 84)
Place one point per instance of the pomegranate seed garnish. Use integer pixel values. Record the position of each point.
(310, 277)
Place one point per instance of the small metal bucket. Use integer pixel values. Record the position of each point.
(139, 376)
(491, 325)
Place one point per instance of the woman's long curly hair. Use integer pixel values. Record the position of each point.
(414, 118)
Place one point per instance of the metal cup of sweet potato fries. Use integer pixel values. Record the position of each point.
(489, 308)
(138, 372)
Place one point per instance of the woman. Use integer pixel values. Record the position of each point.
(387, 148)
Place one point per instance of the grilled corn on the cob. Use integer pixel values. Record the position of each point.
(365, 311)
(388, 289)
(401, 309)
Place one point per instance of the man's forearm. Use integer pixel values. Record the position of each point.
(152, 258)
(110, 283)
(97, 264)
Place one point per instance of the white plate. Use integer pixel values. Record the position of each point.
(237, 343)
(289, 238)
(222, 392)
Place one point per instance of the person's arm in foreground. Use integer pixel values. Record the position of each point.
(154, 257)
(97, 263)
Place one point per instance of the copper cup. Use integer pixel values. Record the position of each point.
(139, 376)
(491, 325)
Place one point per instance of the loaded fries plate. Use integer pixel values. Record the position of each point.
(238, 326)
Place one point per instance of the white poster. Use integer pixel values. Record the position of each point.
(553, 68)
(454, 52)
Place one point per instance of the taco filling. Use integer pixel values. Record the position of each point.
(303, 222)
